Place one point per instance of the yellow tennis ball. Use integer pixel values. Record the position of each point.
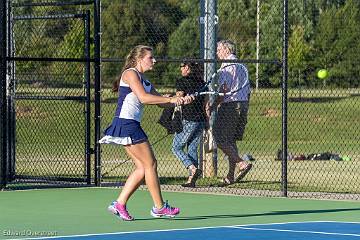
(322, 73)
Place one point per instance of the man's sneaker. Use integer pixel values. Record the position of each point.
(165, 211)
(120, 211)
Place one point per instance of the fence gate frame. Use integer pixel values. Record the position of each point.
(9, 97)
(3, 66)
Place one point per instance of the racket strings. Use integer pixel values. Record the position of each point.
(213, 85)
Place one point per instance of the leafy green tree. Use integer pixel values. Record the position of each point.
(35, 36)
(346, 71)
(271, 33)
(183, 43)
(322, 34)
(132, 22)
(298, 53)
(237, 21)
(72, 46)
(337, 45)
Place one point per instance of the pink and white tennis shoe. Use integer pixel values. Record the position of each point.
(165, 211)
(120, 211)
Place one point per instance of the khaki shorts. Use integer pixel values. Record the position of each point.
(230, 122)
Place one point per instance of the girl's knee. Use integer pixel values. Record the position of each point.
(140, 170)
(150, 165)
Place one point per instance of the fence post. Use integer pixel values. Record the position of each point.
(88, 98)
(210, 20)
(284, 180)
(257, 44)
(97, 86)
(3, 44)
(10, 92)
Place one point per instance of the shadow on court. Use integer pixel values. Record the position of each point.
(273, 213)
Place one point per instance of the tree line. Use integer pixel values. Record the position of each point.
(323, 34)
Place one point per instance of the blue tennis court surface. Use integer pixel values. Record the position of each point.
(293, 230)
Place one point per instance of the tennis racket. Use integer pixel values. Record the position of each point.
(204, 90)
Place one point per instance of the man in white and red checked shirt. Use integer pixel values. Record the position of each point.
(232, 110)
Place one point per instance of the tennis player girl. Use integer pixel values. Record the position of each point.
(135, 91)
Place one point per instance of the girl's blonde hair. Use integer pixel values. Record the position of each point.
(138, 52)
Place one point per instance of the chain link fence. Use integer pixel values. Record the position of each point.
(317, 161)
(52, 102)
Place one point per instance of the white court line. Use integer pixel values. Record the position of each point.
(279, 223)
(298, 231)
(181, 229)
(336, 222)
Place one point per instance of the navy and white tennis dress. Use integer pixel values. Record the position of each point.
(125, 128)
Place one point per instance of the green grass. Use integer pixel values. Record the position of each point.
(50, 139)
